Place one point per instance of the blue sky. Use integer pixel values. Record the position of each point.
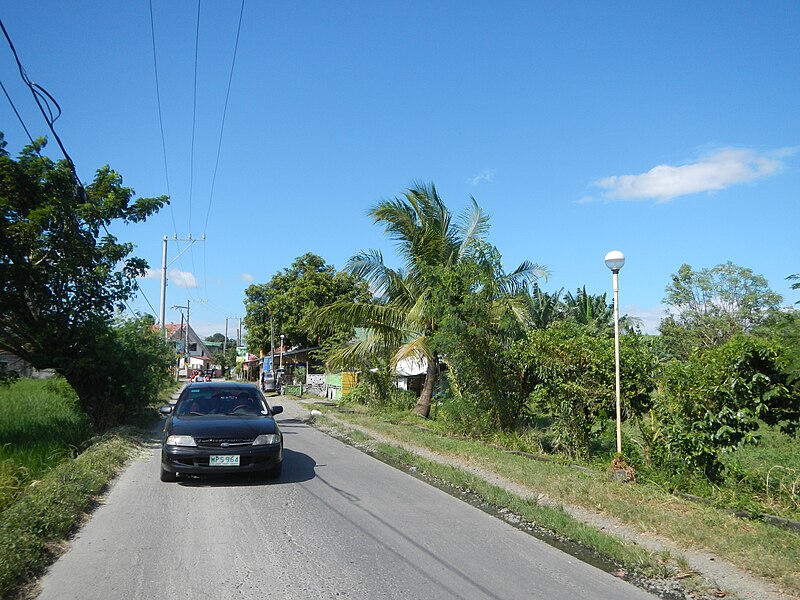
(667, 130)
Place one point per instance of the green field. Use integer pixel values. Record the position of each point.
(40, 426)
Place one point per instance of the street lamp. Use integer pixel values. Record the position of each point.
(281, 351)
(615, 261)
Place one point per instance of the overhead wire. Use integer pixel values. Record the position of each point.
(224, 113)
(160, 116)
(146, 299)
(19, 117)
(221, 133)
(194, 132)
(194, 115)
(163, 136)
(194, 128)
(45, 102)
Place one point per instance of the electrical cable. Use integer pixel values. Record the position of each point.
(224, 113)
(194, 128)
(133, 312)
(43, 100)
(219, 143)
(160, 116)
(194, 116)
(19, 117)
(146, 299)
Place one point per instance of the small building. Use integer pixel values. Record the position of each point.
(190, 349)
(13, 364)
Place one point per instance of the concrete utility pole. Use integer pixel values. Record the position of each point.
(164, 265)
(187, 329)
(183, 335)
(271, 346)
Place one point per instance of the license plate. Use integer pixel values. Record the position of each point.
(223, 460)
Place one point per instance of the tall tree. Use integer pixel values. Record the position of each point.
(403, 324)
(62, 274)
(292, 297)
(710, 306)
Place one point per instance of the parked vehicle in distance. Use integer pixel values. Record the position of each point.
(220, 427)
(268, 382)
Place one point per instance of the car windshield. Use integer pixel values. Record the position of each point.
(220, 401)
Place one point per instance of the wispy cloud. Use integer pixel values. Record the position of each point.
(248, 278)
(649, 318)
(182, 279)
(176, 277)
(487, 175)
(717, 171)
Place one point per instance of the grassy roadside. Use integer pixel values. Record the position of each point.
(51, 472)
(762, 549)
(32, 529)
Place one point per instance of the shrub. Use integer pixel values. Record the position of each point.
(570, 371)
(715, 401)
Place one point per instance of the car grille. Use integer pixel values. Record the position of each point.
(222, 442)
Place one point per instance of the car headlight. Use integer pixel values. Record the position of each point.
(181, 440)
(265, 439)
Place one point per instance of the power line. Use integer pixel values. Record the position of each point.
(146, 299)
(43, 100)
(224, 113)
(194, 127)
(194, 114)
(160, 116)
(21, 122)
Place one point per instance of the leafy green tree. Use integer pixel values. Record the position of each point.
(543, 308)
(292, 297)
(710, 306)
(796, 284)
(135, 365)
(62, 274)
(479, 318)
(590, 310)
(582, 307)
(568, 370)
(403, 324)
(784, 327)
(715, 401)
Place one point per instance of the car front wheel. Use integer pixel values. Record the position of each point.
(168, 476)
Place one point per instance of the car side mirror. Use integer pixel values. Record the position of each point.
(276, 410)
(165, 410)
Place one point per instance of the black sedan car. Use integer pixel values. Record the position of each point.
(220, 427)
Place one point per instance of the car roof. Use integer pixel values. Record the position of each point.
(227, 385)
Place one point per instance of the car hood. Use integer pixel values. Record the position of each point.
(222, 426)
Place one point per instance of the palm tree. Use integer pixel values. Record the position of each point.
(402, 322)
(544, 308)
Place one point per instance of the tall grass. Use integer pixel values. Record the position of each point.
(41, 425)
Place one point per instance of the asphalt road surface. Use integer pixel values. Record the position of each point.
(337, 524)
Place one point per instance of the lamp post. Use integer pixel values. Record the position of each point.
(615, 261)
(281, 351)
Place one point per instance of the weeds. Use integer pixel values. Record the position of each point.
(48, 511)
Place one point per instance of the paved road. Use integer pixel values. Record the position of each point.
(337, 524)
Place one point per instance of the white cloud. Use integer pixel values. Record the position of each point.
(722, 169)
(182, 279)
(248, 278)
(649, 318)
(152, 274)
(487, 175)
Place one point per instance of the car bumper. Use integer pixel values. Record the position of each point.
(191, 460)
